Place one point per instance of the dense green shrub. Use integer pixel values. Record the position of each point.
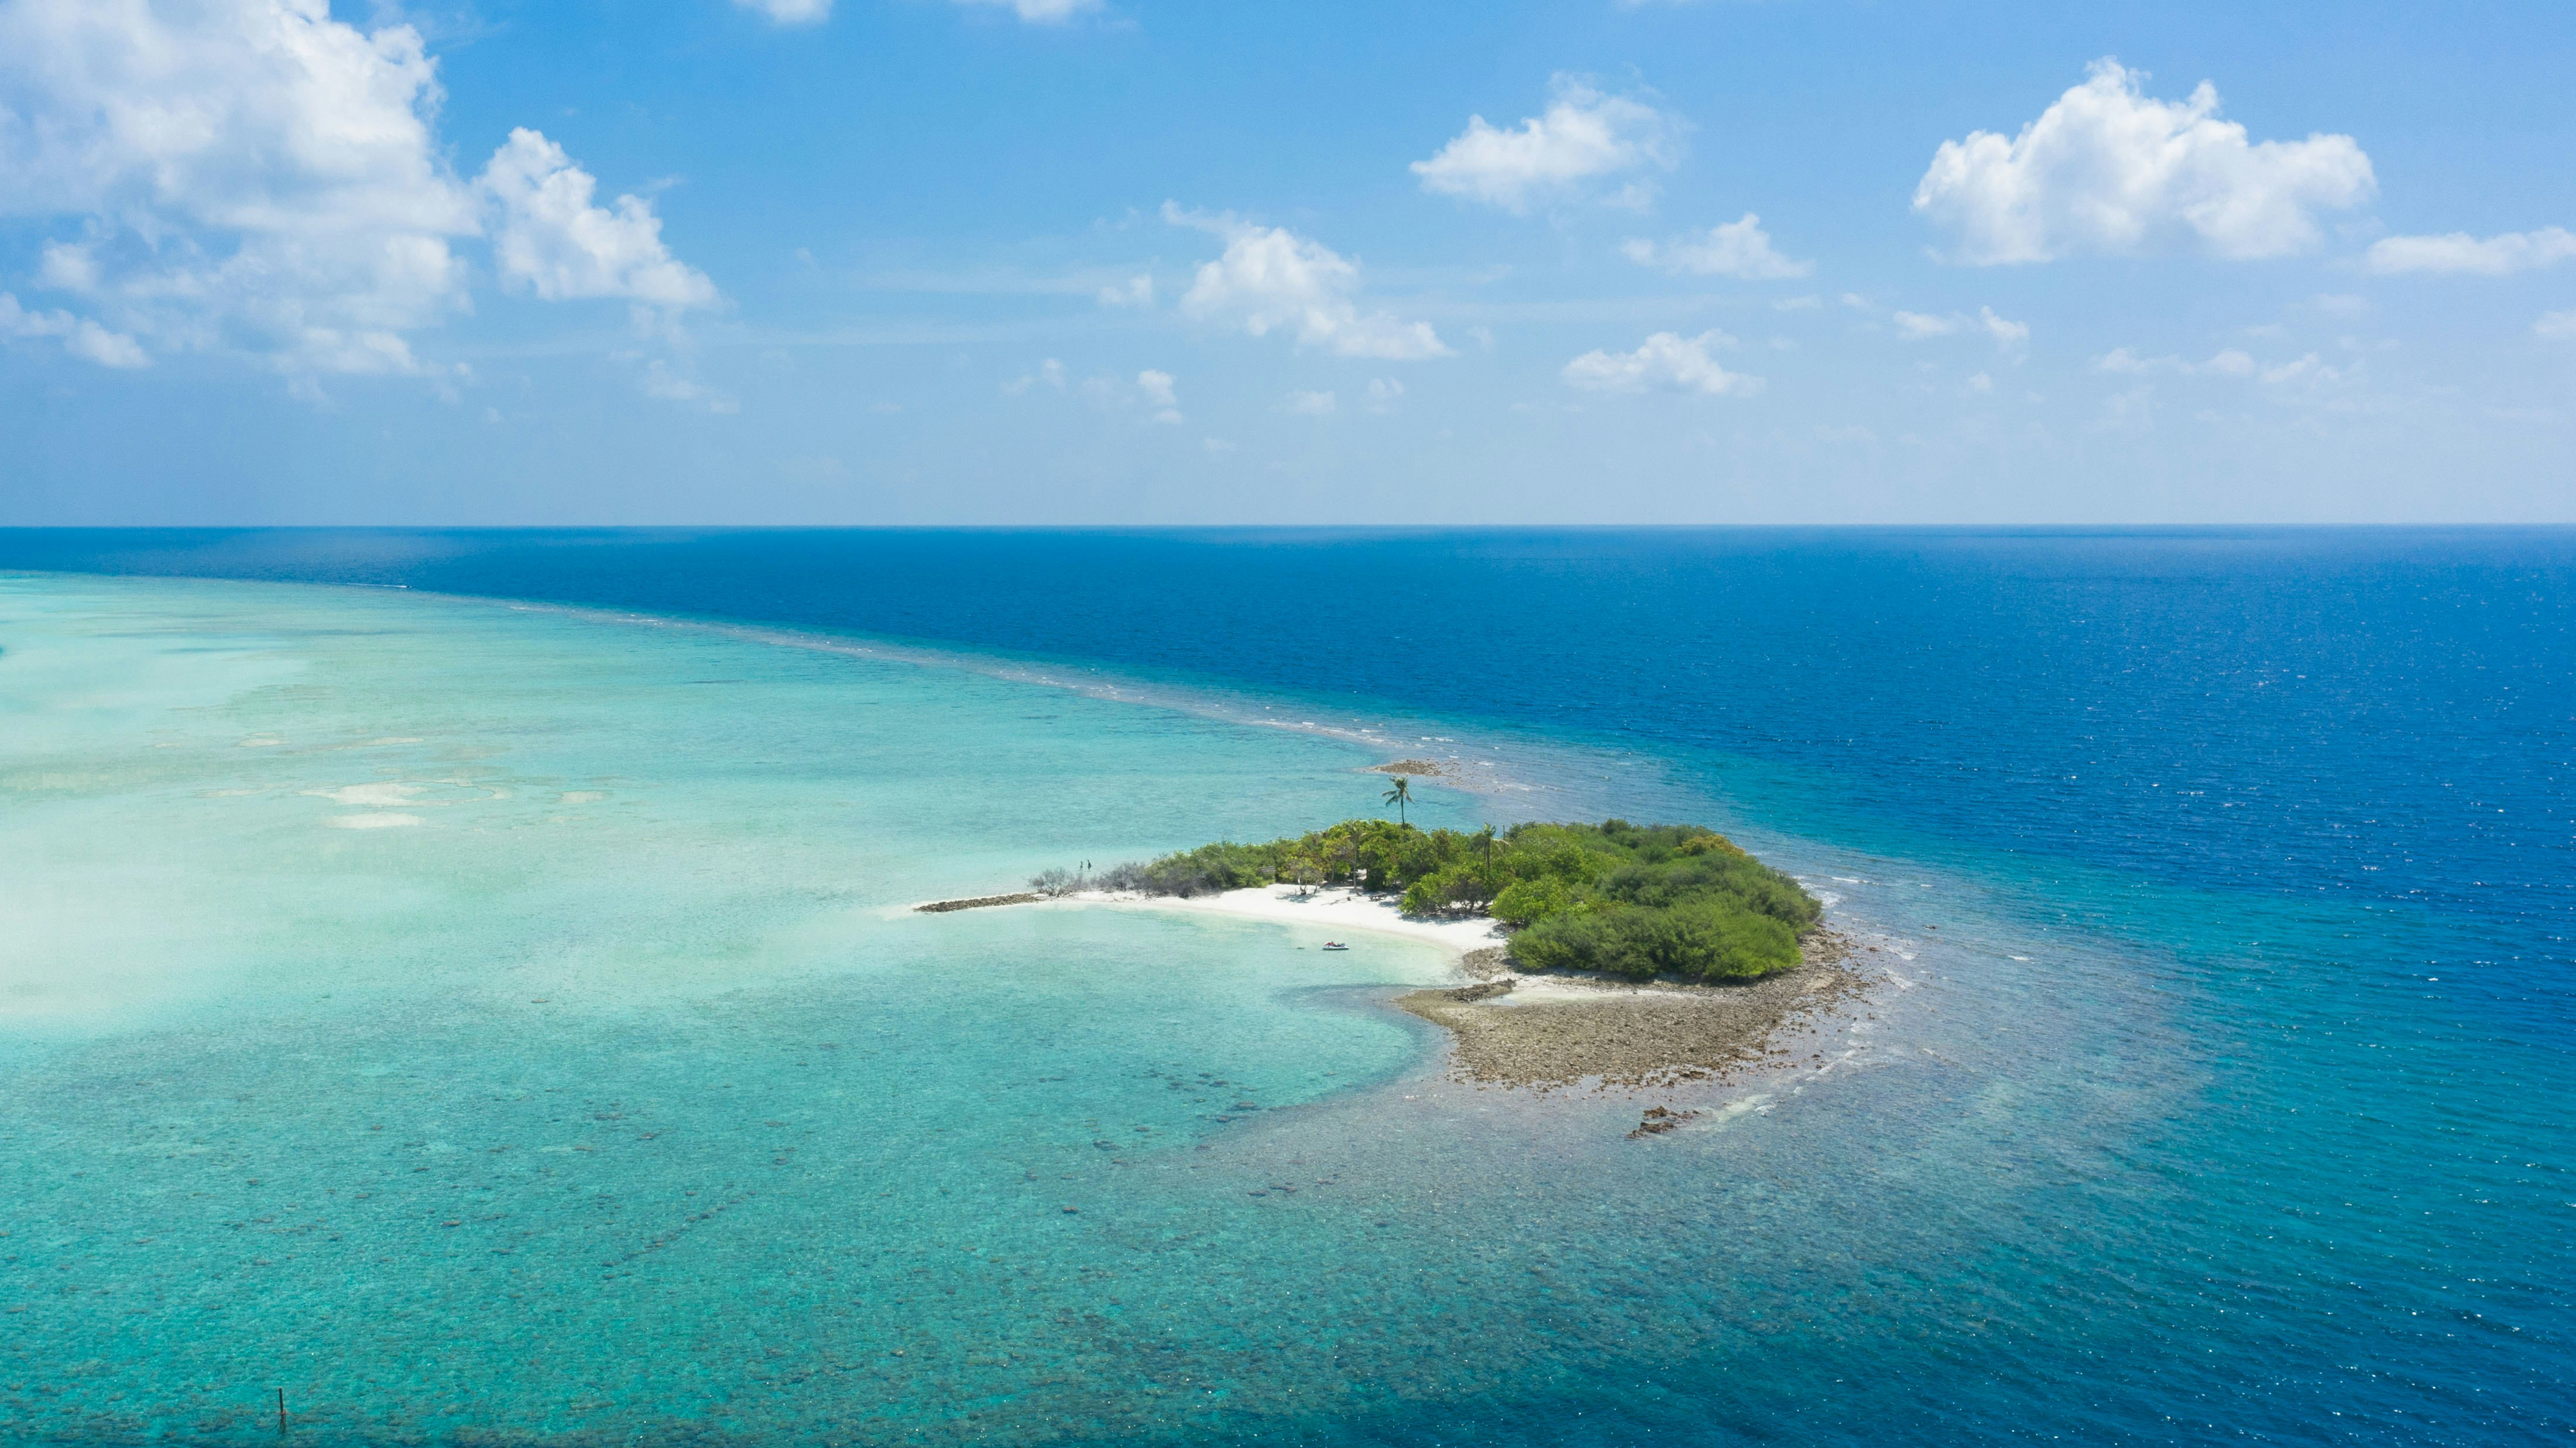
(1527, 902)
(1632, 900)
(1710, 938)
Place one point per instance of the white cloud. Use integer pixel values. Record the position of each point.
(2229, 363)
(550, 239)
(1384, 393)
(250, 176)
(1313, 404)
(1981, 383)
(80, 336)
(2556, 326)
(1270, 277)
(2496, 256)
(1137, 291)
(2310, 369)
(791, 12)
(1738, 249)
(2106, 170)
(1667, 362)
(669, 386)
(1050, 372)
(1041, 12)
(1583, 135)
(1919, 326)
(1160, 395)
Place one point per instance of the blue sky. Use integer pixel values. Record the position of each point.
(1048, 261)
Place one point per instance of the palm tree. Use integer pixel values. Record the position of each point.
(1400, 796)
(1487, 835)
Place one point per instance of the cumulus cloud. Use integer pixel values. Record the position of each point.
(667, 385)
(2496, 256)
(2229, 363)
(1136, 291)
(1271, 278)
(1041, 12)
(2107, 170)
(791, 12)
(250, 176)
(1584, 135)
(1738, 249)
(1160, 394)
(1384, 393)
(1313, 404)
(1920, 326)
(250, 173)
(1050, 372)
(1668, 362)
(80, 336)
(2310, 369)
(551, 239)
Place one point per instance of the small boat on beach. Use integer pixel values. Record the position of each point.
(1335, 945)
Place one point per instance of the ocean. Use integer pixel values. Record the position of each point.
(461, 979)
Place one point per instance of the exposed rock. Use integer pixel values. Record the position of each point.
(937, 907)
(1658, 1120)
(1623, 1034)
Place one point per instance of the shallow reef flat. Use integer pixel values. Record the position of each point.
(1554, 1030)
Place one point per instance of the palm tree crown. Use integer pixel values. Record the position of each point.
(1400, 796)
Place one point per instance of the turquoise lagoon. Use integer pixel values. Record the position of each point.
(500, 1024)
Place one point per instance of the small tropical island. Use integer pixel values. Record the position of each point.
(1639, 902)
(1622, 953)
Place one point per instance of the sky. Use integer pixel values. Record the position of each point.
(1143, 261)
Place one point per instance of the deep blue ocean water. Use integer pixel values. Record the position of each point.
(2315, 789)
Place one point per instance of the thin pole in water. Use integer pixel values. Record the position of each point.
(281, 1412)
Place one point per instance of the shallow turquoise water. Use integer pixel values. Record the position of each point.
(338, 919)
(616, 1099)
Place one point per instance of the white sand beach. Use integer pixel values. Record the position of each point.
(1338, 912)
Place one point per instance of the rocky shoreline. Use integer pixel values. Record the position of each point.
(942, 907)
(1553, 1031)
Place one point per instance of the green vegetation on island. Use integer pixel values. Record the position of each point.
(1639, 901)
